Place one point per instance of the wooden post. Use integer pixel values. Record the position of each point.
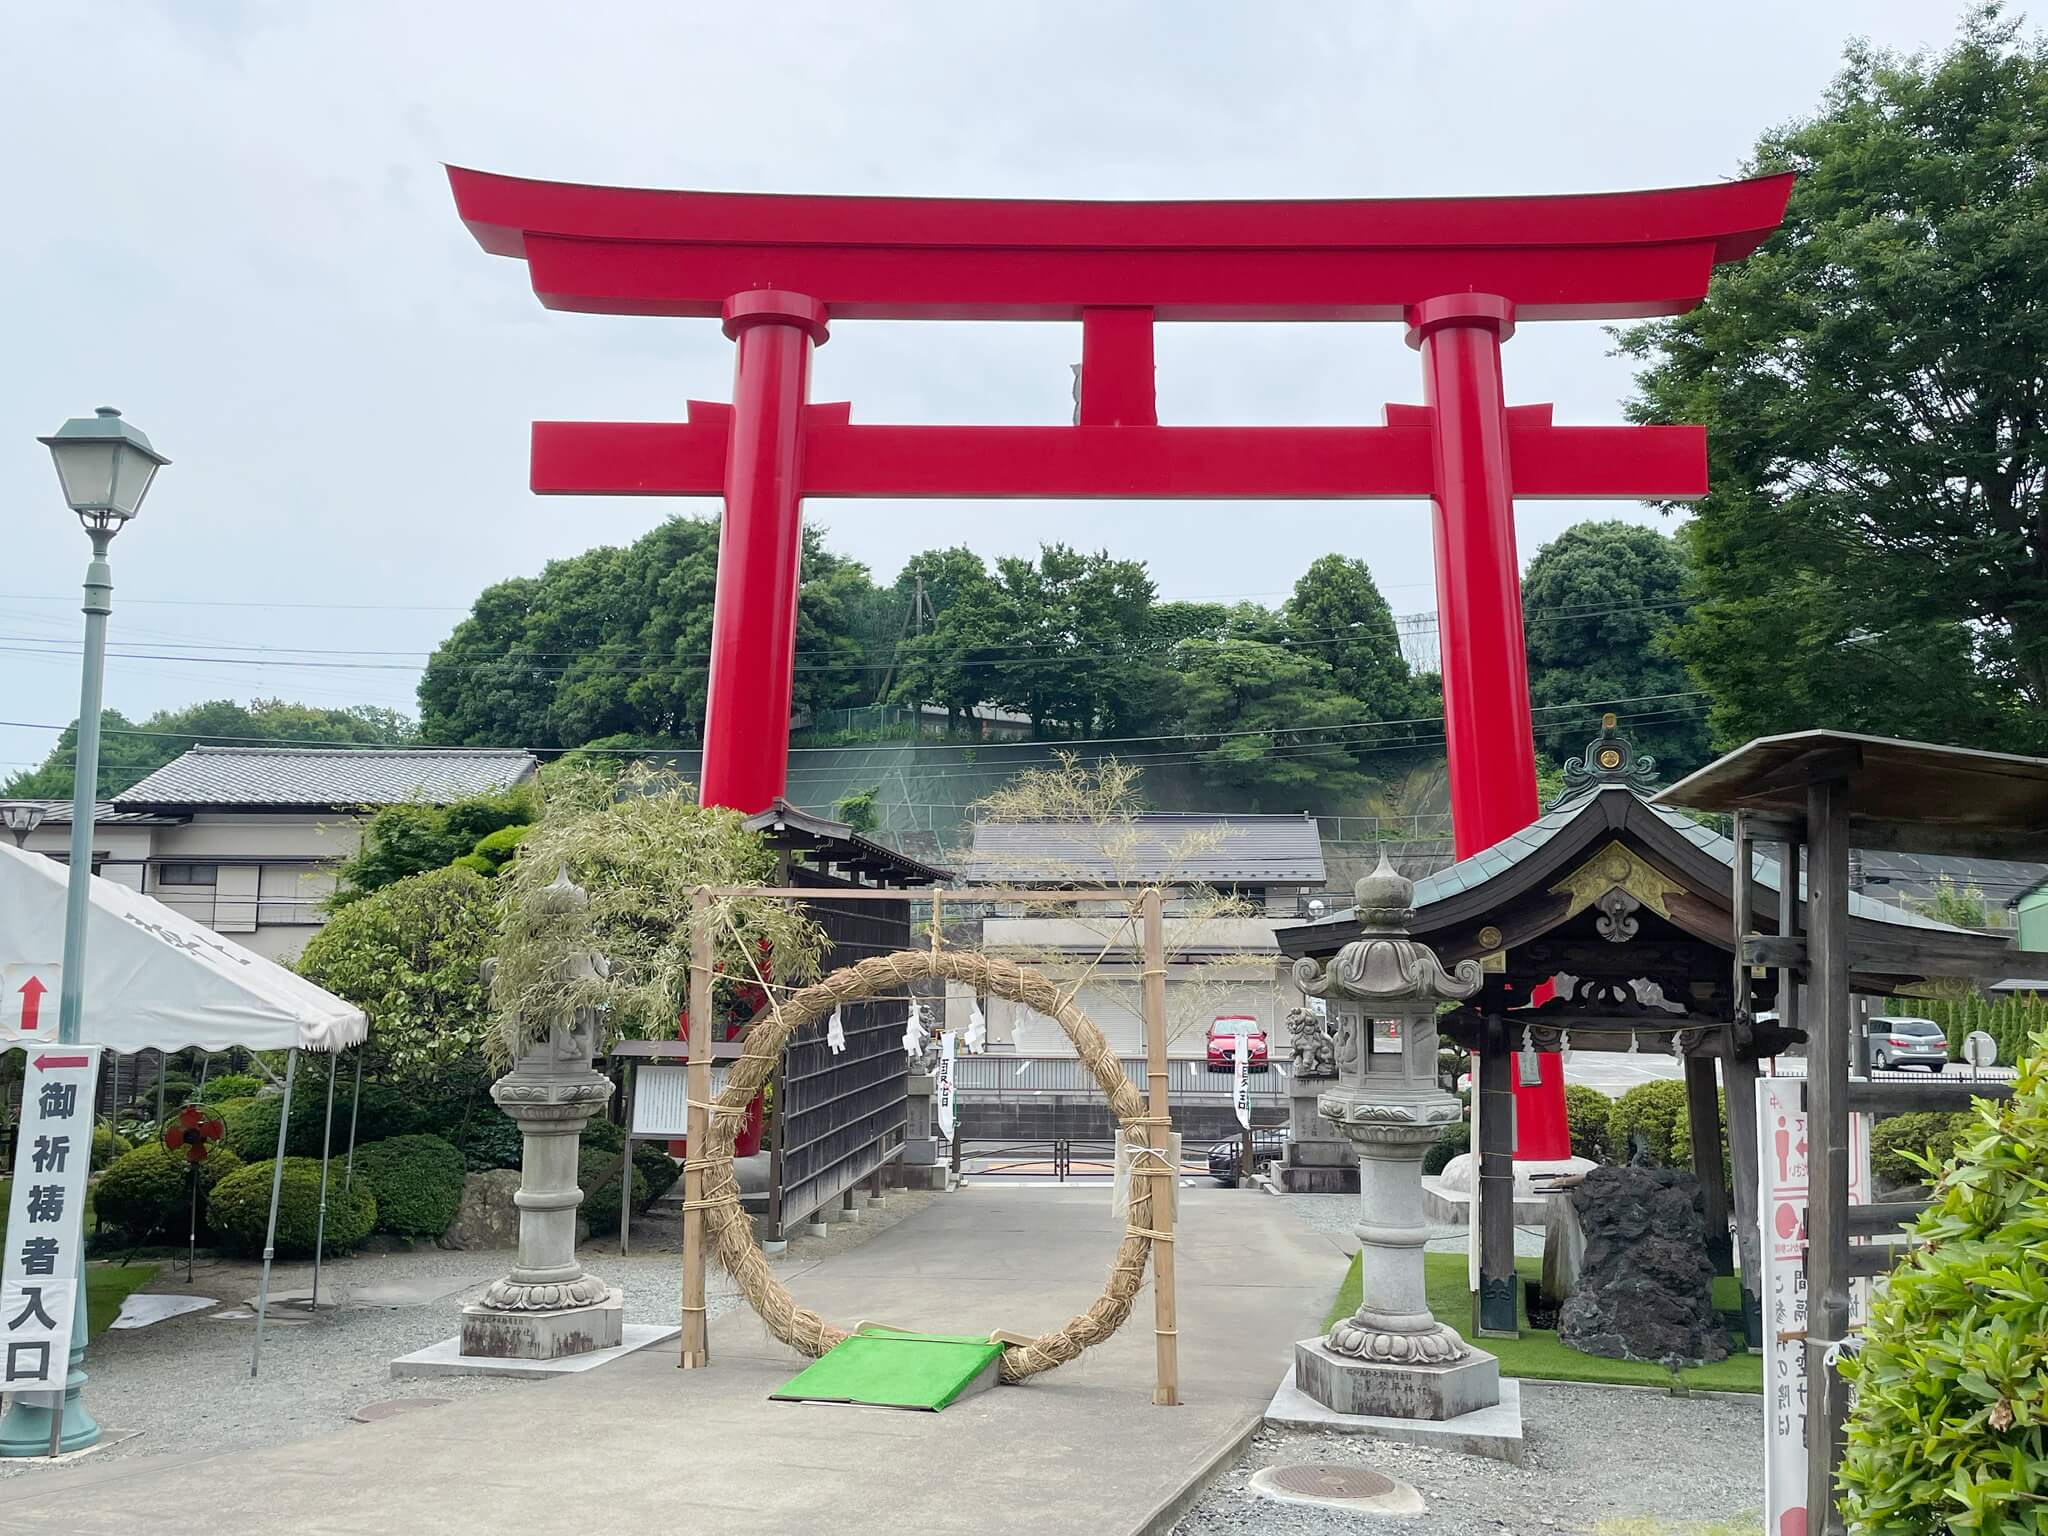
(1738, 1085)
(1827, 1131)
(1703, 1119)
(1159, 1137)
(696, 1336)
(1493, 1227)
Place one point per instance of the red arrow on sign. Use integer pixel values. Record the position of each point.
(45, 1063)
(32, 992)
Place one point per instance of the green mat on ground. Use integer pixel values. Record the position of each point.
(885, 1368)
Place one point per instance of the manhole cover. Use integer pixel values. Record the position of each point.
(1337, 1487)
(392, 1407)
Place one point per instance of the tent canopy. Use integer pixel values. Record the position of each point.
(156, 980)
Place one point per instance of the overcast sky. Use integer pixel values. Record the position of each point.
(230, 220)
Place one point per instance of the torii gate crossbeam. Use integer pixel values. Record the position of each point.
(1459, 273)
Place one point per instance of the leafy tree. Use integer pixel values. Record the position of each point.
(412, 837)
(858, 809)
(1078, 624)
(1874, 554)
(954, 663)
(1598, 602)
(616, 643)
(411, 955)
(1266, 721)
(129, 752)
(1337, 613)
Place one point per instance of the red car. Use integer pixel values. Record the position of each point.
(1223, 1033)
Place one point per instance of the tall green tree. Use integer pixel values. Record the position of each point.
(1874, 553)
(1337, 613)
(130, 751)
(615, 642)
(1266, 719)
(1599, 602)
(952, 661)
(1082, 627)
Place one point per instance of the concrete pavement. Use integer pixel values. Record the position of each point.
(640, 1447)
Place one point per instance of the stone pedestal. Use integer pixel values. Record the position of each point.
(1448, 1389)
(920, 1146)
(547, 1306)
(1318, 1161)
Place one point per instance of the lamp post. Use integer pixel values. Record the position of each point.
(105, 466)
(21, 817)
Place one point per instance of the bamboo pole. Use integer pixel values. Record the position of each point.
(1159, 1136)
(696, 1341)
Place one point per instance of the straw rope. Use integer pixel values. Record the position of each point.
(732, 1232)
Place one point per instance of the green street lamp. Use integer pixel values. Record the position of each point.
(105, 466)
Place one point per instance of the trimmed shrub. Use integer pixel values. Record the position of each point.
(1586, 1112)
(652, 1162)
(1897, 1139)
(601, 1204)
(417, 1181)
(252, 1126)
(1456, 1139)
(107, 1146)
(1681, 1139)
(232, 1085)
(1946, 1426)
(177, 1093)
(144, 1193)
(1653, 1111)
(601, 1133)
(240, 1208)
(492, 1139)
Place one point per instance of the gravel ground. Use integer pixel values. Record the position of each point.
(185, 1382)
(1600, 1460)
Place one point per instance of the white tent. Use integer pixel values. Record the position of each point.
(156, 979)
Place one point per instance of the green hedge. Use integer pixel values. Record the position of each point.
(1586, 1113)
(240, 1208)
(652, 1163)
(107, 1146)
(233, 1085)
(1925, 1133)
(252, 1124)
(1655, 1111)
(2011, 1021)
(1456, 1139)
(417, 1181)
(145, 1193)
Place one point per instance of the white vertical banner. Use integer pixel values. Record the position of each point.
(1782, 1163)
(1241, 1081)
(45, 1218)
(942, 1087)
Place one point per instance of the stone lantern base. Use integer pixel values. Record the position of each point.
(1383, 1389)
(545, 1334)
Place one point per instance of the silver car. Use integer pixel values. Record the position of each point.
(1907, 1043)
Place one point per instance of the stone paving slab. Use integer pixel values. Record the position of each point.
(640, 1447)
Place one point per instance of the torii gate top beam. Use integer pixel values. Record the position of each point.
(637, 251)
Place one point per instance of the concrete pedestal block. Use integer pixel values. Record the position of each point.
(920, 1151)
(547, 1335)
(1310, 1179)
(1365, 1387)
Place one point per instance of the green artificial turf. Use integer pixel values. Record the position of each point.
(106, 1287)
(1539, 1355)
(880, 1367)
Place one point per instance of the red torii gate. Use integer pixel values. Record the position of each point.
(1458, 272)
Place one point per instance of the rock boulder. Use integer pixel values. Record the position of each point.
(488, 1217)
(1645, 1283)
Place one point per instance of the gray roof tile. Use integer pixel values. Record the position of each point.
(339, 777)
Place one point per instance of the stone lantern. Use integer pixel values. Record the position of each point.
(548, 1306)
(1391, 1358)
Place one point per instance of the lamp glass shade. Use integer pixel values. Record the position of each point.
(104, 464)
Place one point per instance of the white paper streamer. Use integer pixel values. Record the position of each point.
(977, 1032)
(835, 1034)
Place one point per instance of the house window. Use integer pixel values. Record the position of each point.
(188, 874)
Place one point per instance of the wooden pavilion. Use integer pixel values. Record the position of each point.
(1627, 909)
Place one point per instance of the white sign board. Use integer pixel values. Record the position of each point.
(28, 1001)
(942, 1084)
(1980, 1050)
(1782, 1162)
(45, 1218)
(1241, 1082)
(661, 1100)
